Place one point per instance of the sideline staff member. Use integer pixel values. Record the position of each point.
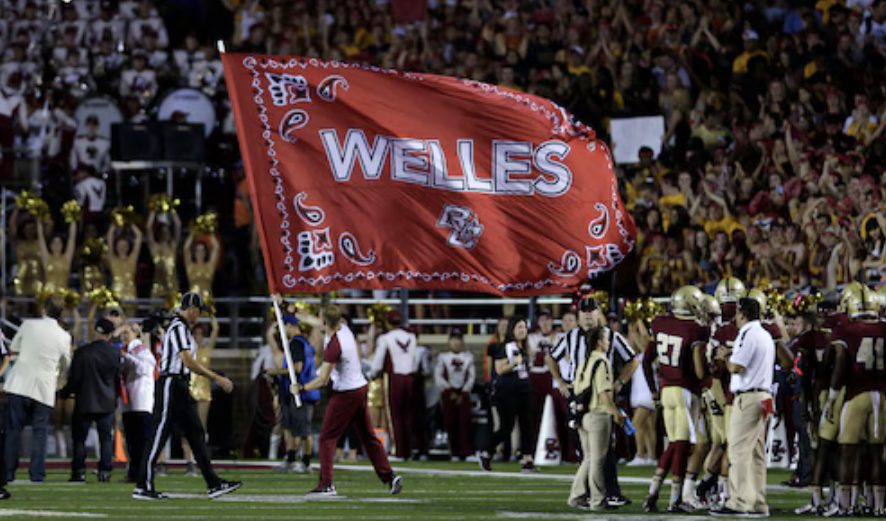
(752, 363)
(174, 404)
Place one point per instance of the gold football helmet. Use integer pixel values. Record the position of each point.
(863, 302)
(851, 290)
(687, 301)
(760, 297)
(710, 308)
(729, 290)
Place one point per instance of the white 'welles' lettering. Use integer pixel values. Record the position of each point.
(424, 162)
(356, 145)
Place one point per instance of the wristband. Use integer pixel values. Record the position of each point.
(833, 394)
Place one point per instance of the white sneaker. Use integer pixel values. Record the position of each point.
(298, 467)
(637, 462)
(833, 510)
(808, 510)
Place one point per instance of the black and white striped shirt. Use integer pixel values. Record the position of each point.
(4, 346)
(571, 351)
(177, 339)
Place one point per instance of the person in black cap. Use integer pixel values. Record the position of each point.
(92, 380)
(173, 404)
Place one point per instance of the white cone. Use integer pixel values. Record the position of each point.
(548, 452)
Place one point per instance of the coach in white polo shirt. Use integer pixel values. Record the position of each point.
(752, 363)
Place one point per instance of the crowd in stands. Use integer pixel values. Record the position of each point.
(769, 168)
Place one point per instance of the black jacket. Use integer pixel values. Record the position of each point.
(94, 377)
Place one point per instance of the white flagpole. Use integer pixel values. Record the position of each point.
(289, 365)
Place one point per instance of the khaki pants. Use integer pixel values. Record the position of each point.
(747, 454)
(589, 482)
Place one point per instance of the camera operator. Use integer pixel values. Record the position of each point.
(95, 370)
(593, 406)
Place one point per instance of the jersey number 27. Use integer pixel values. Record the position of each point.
(668, 347)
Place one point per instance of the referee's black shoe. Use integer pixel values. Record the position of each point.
(728, 512)
(148, 495)
(224, 487)
(4, 494)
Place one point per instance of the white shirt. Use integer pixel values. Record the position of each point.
(41, 344)
(264, 360)
(539, 345)
(755, 351)
(95, 152)
(138, 376)
(346, 372)
(455, 371)
(92, 191)
(400, 345)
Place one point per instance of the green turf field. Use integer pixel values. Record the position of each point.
(432, 491)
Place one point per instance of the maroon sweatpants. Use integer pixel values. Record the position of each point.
(401, 399)
(457, 418)
(341, 409)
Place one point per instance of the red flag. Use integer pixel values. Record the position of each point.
(369, 178)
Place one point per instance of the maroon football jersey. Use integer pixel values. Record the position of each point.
(725, 336)
(866, 361)
(812, 346)
(673, 342)
(832, 321)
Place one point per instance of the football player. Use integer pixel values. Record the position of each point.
(675, 340)
(861, 365)
(728, 292)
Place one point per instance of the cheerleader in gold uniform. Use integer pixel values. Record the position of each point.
(200, 265)
(163, 243)
(124, 262)
(56, 259)
(28, 275)
(201, 389)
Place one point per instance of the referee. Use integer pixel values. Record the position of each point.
(751, 363)
(173, 403)
(569, 354)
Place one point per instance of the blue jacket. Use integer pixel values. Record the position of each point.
(299, 345)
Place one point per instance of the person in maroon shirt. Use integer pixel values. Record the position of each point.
(675, 340)
(716, 464)
(861, 365)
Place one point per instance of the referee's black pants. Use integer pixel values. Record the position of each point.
(173, 405)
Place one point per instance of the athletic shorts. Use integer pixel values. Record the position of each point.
(297, 420)
(829, 430)
(862, 419)
(681, 414)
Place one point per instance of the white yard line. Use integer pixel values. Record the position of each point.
(46, 513)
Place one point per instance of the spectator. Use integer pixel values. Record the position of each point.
(31, 385)
(93, 151)
(455, 374)
(93, 379)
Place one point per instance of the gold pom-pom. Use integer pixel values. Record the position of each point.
(172, 301)
(72, 212)
(103, 297)
(777, 302)
(210, 306)
(93, 251)
(207, 223)
(123, 216)
(602, 298)
(378, 313)
(32, 204)
(163, 203)
(70, 298)
(645, 309)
